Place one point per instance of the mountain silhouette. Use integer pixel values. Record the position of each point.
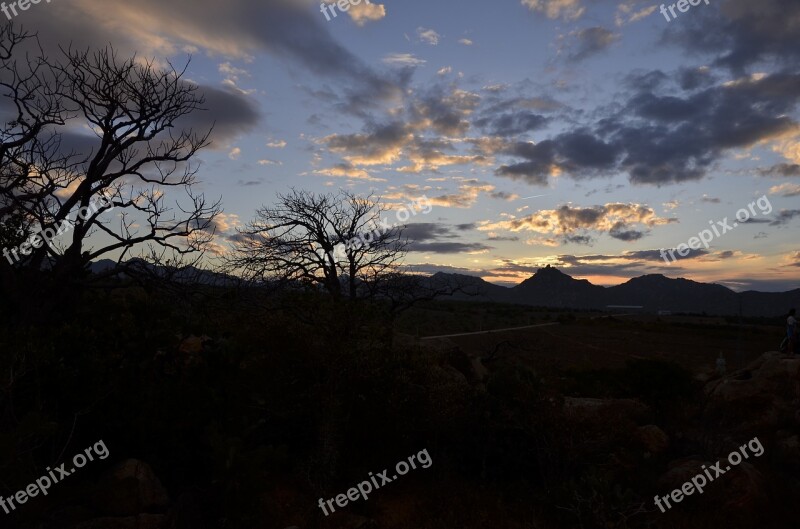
(550, 287)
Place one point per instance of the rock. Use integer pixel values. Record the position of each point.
(760, 397)
(789, 447)
(740, 490)
(744, 489)
(679, 472)
(193, 344)
(192, 350)
(351, 521)
(131, 488)
(653, 438)
(587, 407)
(143, 521)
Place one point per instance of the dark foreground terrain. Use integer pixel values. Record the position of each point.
(229, 412)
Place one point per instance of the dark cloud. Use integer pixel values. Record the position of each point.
(230, 113)
(512, 124)
(444, 110)
(502, 195)
(760, 285)
(426, 268)
(432, 237)
(782, 169)
(234, 29)
(619, 232)
(742, 33)
(540, 158)
(447, 247)
(579, 239)
(659, 139)
(588, 42)
(784, 217)
(693, 254)
(426, 231)
(646, 81)
(503, 239)
(590, 265)
(644, 255)
(694, 78)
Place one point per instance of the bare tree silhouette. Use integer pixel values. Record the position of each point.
(50, 169)
(340, 243)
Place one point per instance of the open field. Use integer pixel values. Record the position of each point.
(596, 341)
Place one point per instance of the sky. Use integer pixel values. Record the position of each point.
(584, 134)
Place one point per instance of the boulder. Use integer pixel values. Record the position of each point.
(143, 521)
(653, 438)
(740, 491)
(761, 397)
(131, 488)
(789, 447)
(588, 407)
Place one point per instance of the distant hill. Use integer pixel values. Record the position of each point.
(549, 287)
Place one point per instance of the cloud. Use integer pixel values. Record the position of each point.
(429, 268)
(782, 169)
(512, 123)
(403, 59)
(277, 144)
(503, 195)
(621, 232)
(789, 148)
(466, 196)
(784, 217)
(785, 190)
(626, 10)
(576, 224)
(232, 75)
(236, 29)
(564, 9)
(584, 43)
(465, 42)
(432, 238)
(658, 139)
(428, 36)
(235, 153)
(230, 112)
(347, 171)
(742, 33)
(379, 144)
(366, 12)
(580, 153)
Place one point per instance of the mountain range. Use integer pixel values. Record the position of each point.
(550, 287)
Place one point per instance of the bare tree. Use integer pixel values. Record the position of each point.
(136, 155)
(342, 243)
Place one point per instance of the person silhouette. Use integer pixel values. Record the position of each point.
(722, 365)
(791, 331)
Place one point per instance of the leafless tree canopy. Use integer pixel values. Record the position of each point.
(50, 167)
(340, 242)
